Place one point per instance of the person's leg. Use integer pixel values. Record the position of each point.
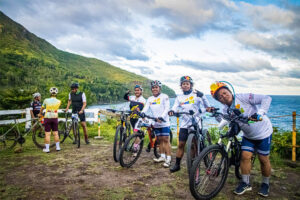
(47, 135)
(84, 127)
(245, 165)
(263, 151)
(183, 135)
(55, 133)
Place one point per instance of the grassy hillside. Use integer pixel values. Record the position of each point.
(32, 64)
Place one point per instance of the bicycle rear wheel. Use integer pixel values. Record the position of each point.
(8, 140)
(120, 133)
(207, 181)
(193, 148)
(131, 150)
(38, 137)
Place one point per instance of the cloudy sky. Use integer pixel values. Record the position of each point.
(255, 45)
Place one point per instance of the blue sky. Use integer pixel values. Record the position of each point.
(252, 44)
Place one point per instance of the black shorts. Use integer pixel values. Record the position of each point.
(80, 116)
(51, 124)
(133, 122)
(183, 134)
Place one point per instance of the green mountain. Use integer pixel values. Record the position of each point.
(31, 64)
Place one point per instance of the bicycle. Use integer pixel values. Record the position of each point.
(133, 146)
(198, 138)
(123, 131)
(208, 178)
(13, 135)
(74, 125)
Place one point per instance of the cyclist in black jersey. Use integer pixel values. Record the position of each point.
(137, 103)
(35, 105)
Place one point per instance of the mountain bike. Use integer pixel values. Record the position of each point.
(14, 135)
(64, 133)
(133, 146)
(198, 138)
(208, 178)
(123, 131)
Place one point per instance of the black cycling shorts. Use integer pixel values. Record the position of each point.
(80, 116)
(183, 134)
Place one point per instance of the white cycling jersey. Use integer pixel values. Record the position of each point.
(185, 103)
(248, 104)
(159, 107)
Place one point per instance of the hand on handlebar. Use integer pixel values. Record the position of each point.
(211, 109)
(255, 117)
(160, 120)
(171, 113)
(142, 115)
(191, 112)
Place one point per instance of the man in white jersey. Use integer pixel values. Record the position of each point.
(257, 136)
(185, 102)
(159, 105)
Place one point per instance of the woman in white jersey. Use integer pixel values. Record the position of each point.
(257, 136)
(185, 102)
(159, 105)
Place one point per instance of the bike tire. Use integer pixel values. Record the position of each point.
(128, 150)
(118, 143)
(192, 148)
(76, 134)
(205, 178)
(156, 146)
(207, 142)
(9, 141)
(38, 137)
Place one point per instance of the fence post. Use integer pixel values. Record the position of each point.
(294, 138)
(99, 126)
(28, 117)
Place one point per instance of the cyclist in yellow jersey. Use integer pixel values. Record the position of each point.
(51, 119)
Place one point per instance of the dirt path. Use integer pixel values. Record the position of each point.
(91, 173)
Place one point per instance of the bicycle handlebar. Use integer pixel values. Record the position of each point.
(153, 118)
(119, 111)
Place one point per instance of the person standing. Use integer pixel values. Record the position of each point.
(159, 105)
(35, 105)
(78, 101)
(189, 100)
(51, 119)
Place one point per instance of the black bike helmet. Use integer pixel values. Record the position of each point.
(74, 85)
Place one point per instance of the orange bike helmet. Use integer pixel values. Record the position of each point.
(215, 87)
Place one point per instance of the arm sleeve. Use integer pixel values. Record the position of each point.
(44, 104)
(83, 97)
(146, 107)
(263, 100)
(205, 102)
(167, 107)
(176, 104)
(31, 106)
(69, 96)
(126, 96)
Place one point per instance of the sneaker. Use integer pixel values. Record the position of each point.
(167, 163)
(46, 150)
(87, 142)
(160, 159)
(175, 168)
(58, 148)
(242, 188)
(264, 190)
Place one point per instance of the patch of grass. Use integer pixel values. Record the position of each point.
(116, 193)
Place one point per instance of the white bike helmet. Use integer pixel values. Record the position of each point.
(155, 83)
(53, 90)
(36, 95)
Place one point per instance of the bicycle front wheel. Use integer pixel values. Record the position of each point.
(76, 134)
(131, 150)
(118, 142)
(206, 181)
(8, 140)
(38, 137)
(193, 149)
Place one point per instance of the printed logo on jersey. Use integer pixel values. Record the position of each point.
(189, 100)
(156, 101)
(238, 106)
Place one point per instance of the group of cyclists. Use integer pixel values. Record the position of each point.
(51, 106)
(256, 136)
